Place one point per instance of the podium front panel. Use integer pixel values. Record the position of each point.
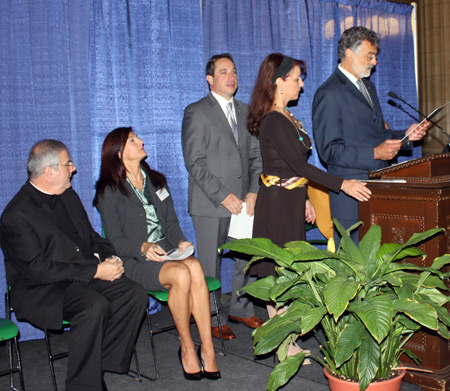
(402, 209)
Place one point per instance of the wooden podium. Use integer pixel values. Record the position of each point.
(411, 197)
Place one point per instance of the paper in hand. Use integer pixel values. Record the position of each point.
(429, 116)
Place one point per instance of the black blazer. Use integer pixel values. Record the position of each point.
(125, 224)
(41, 260)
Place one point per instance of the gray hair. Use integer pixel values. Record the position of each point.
(43, 154)
(353, 37)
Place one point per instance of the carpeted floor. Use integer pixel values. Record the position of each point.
(238, 368)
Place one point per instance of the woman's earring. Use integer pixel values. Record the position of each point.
(281, 92)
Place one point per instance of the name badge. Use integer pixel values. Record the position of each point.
(162, 194)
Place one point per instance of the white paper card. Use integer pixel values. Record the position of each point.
(241, 225)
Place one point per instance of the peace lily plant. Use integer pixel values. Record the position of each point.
(366, 302)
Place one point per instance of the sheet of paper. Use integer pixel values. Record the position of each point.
(430, 116)
(175, 255)
(241, 225)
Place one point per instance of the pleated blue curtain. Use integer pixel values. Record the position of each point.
(74, 70)
(146, 67)
(44, 93)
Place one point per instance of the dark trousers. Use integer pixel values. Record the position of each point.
(105, 318)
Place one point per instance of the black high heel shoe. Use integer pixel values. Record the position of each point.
(206, 374)
(189, 376)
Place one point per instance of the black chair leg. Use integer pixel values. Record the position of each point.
(152, 342)
(50, 359)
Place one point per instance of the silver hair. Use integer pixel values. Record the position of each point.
(43, 154)
(353, 37)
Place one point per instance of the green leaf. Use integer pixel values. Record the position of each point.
(392, 279)
(369, 358)
(408, 323)
(441, 261)
(300, 292)
(348, 341)
(284, 371)
(311, 318)
(433, 295)
(417, 238)
(350, 249)
(443, 315)
(338, 292)
(267, 337)
(376, 313)
(260, 247)
(443, 331)
(282, 285)
(271, 334)
(260, 288)
(409, 252)
(422, 313)
(369, 246)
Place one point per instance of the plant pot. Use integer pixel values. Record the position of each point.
(336, 384)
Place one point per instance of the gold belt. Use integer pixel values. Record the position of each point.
(273, 180)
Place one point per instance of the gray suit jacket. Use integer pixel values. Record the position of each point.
(216, 165)
(125, 224)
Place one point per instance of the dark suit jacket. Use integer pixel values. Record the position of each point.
(346, 131)
(40, 260)
(216, 165)
(125, 223)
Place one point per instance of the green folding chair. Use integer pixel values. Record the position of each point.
(162, 296)
(8, 332)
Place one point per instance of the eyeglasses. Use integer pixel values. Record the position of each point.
(68, 164)
(371, 57)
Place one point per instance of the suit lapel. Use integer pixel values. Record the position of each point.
(241, 124)
(352, 88)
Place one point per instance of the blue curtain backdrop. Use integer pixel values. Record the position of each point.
(310, 30)
(74, 70)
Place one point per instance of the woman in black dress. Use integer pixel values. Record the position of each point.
(282, 206)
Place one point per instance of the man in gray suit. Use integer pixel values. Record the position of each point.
(224, 164)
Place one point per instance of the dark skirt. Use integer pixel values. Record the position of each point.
(146, 273)
(280, 217)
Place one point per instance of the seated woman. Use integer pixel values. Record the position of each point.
(139, 218)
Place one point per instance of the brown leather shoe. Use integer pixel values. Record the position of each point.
(252, 322)
(226, 332)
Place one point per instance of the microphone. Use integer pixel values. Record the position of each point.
(399, 106)
(395, 96)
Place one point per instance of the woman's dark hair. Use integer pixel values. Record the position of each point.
(264, 91)
(112, 169)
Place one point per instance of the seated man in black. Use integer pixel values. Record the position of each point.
(60, 268)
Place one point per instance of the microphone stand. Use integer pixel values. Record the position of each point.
(399, 106)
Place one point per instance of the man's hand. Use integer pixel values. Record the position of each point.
(232, 203)
(417, 134)
(110, 269)
(250, 200)
(387, 150)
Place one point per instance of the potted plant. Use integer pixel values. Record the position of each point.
(367, 303)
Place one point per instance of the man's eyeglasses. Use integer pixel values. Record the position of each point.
(371, 57)
(68, 164)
